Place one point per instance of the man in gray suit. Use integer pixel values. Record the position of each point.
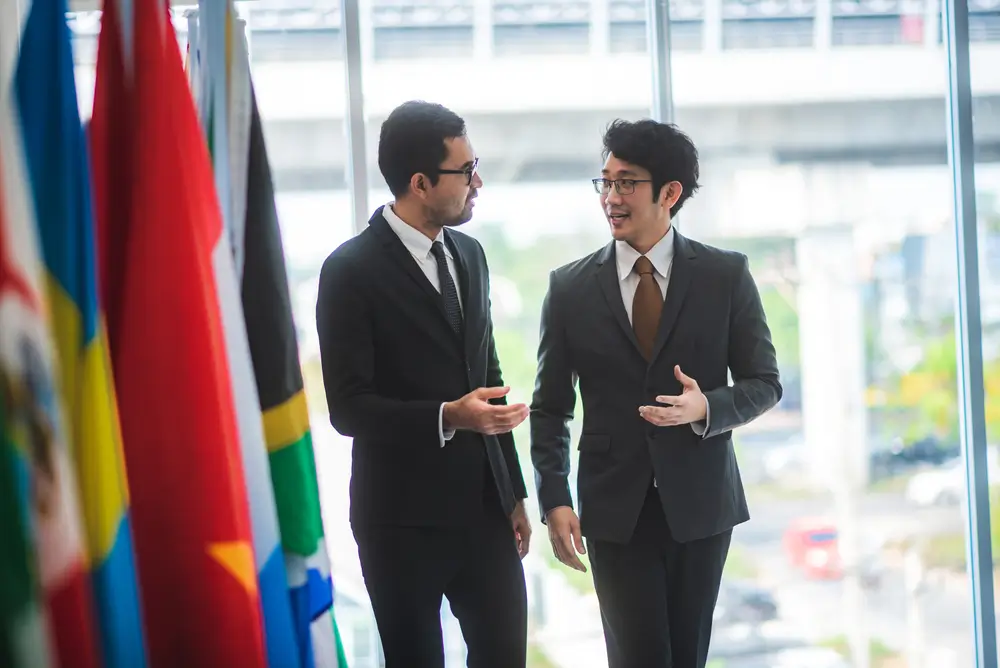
(651, 326)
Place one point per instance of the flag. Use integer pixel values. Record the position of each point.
(270, 330)
(28, 360)
(282, 648)
(275, 354)
(58, 164)
(24, 639)
(190, 509)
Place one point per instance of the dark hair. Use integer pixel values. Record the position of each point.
(661, 148)
(412, 142)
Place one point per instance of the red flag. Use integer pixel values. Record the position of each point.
(110, 156)
(192, 527)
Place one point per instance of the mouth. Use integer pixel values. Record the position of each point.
(618, 219)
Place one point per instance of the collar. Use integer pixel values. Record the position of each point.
(415, 241)
(661, 255)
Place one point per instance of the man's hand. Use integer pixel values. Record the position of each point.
(565, 536)
(474, 412)
(690, 406)
(522, 528)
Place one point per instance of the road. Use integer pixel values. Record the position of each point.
(810, 612)
(815, 611)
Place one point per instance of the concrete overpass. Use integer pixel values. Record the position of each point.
(540, 118)
(819, 98)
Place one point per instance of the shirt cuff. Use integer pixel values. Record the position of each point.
(701, 426)
(443, 435)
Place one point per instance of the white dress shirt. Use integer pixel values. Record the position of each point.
(420, 248)
(661, 255)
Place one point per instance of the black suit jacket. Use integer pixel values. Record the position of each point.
(390, 359)
(712, 323)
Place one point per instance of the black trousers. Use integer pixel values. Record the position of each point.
(657, 596)
(408, 570)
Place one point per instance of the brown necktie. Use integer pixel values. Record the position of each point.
(646, 306)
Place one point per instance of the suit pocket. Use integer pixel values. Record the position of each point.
(595, 443)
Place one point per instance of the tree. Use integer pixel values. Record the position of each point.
(926, 398)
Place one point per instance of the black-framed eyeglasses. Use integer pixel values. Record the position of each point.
(468, 171)
(622, 186)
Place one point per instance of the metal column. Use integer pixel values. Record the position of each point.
(658, 38)
(969, 330)
(357, 172)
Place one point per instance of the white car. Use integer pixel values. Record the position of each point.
(945, 485)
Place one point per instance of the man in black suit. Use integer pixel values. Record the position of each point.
(650, 326)
(411, 373)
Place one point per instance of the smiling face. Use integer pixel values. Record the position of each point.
(635, 214)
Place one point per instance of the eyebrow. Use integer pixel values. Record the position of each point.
(620, 173)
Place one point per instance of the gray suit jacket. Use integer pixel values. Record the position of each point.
(713, 323)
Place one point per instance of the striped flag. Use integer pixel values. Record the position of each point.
(28, 359)
(273, 344)
(24, 639)
(270, 330)
(58, 163)
(282, 648)
(179, 428)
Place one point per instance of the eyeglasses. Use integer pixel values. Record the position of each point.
(622, 186)
(468, 171)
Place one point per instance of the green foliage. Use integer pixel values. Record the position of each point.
(881, 653)
(783, 320)
(740, 564)
(537, 657)
(925, 400)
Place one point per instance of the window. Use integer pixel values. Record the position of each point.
(822, 131)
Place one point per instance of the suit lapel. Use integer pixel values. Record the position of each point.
(607, 277)
(402, 258)
(681, 270)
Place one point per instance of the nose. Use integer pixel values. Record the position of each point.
(612, 197)
(477, 182)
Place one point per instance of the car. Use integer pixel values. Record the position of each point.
(812, 545)
(744, 603)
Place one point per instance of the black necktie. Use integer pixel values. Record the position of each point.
(452, 306)
(497, 464)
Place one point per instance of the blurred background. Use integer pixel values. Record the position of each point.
(821, 127)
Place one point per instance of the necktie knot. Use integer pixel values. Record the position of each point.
(643, 266)
(437, 250)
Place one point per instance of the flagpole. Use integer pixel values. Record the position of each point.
(357, 173)
(213, 16)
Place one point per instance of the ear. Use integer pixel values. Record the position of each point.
(670, 193)
(420, 185)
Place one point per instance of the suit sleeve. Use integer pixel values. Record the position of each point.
(494, 378)
(552, 407)
(752, 362)
(347, 349)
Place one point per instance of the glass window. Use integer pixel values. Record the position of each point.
(823, 158)
(827, 166)
(984, 48)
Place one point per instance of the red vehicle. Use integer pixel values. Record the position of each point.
(811, 544)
